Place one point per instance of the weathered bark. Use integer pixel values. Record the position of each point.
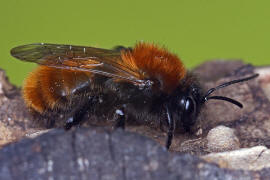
(97, 154)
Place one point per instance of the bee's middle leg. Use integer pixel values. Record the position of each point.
(121, 119)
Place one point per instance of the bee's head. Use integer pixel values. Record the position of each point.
(186, 104)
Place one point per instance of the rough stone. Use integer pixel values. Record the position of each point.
(221, 139)
(255, 158)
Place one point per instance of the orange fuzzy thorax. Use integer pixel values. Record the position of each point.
(152, 62)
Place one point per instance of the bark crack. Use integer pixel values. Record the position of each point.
(111, 148)
(74, 153)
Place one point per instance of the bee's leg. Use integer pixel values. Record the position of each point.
(186, 126)
(121, 118)
(69, 123)
(76, 115)
(74, 119)
(171, 124)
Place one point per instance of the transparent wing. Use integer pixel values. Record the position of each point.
(100, 61)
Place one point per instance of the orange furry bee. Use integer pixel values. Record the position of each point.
(147, 84)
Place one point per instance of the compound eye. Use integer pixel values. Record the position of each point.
(189, 106)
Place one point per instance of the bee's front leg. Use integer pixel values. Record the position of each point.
(171, 124)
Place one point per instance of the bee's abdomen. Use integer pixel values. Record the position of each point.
(32, 93)
(49, 88)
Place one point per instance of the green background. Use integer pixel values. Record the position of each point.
(197, 30)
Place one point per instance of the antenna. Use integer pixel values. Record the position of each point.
(210, 91)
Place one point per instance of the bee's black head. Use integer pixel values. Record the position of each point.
(186, 102)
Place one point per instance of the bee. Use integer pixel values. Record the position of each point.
(147, 84)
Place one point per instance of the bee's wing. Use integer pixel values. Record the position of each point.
(99, 61)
